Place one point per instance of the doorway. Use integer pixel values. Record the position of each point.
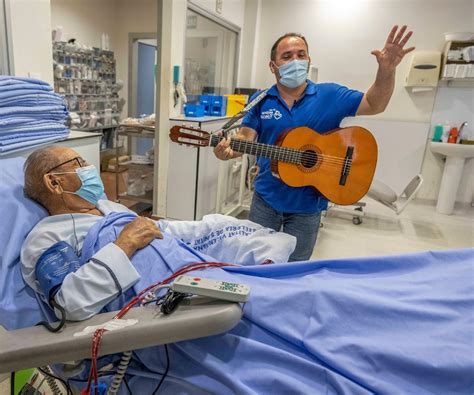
(142, 86)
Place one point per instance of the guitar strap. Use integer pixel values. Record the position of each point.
(228, 126)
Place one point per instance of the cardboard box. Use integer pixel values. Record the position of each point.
(109, 181)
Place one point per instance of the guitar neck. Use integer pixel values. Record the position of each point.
(281, 154)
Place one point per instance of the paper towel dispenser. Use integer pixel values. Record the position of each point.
(424, 70)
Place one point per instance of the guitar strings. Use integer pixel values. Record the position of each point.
(293, 153)
(307, 158)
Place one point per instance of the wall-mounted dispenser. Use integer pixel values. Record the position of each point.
(424, 70)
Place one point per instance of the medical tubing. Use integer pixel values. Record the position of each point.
(127, 355)
(49, 379)
(47, 325)
(163, 376)
(97, 338)
(122, 368)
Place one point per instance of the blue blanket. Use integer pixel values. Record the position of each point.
(23, 144)
(38, 129)
(386, 325)
(58, 112)
(11, 80)
(30, 97)
(8, 125)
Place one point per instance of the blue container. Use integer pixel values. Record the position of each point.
(218, 106)
(206, 101)
(194, 110)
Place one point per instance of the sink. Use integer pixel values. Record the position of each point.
(456, 155)
(456, 150)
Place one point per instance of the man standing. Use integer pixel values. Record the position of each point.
(295, 101)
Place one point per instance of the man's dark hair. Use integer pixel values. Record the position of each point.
(275, 46)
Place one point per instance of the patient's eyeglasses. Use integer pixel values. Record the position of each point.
(81, 162)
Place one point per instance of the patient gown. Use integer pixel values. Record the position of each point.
(385, 325)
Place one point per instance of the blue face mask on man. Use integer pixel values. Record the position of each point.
(294, 73)
(91, 188)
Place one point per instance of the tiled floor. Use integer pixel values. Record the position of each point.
(418, 228)
(382, 232)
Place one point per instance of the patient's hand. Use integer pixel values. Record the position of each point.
(137, 234)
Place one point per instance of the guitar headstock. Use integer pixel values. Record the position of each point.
(189, 136)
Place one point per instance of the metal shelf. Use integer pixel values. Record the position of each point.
(145, 133)
(88, 94)
(131, 164)
(146, 198)
(95, 129)
(99, 80)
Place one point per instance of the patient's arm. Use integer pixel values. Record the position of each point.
(100, 280)
(109, 272)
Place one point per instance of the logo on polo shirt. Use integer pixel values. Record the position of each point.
(271, 113)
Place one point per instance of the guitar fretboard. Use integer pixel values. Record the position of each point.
(282, 154)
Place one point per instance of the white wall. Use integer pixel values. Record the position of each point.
(133, 16)
(342, 33)
(86, 20)
(250, 38)
(232, 10)
(30, 30)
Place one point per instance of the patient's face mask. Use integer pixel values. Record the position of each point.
(91, 188)
(294, 73)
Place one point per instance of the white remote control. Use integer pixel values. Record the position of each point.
(214, 288)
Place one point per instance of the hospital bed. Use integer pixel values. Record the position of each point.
(35, 346)
(392, 324)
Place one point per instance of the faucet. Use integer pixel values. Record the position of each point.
(463, 125)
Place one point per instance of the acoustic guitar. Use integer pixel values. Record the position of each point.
(340, 164)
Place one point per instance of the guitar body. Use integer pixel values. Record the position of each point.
(324, 173)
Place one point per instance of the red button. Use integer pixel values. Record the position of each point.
(196, 279)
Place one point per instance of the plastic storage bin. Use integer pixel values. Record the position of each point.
(194, 110)
(235, 103)
(218, 106)
(206, 101)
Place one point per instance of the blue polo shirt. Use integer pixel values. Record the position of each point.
(321, 108)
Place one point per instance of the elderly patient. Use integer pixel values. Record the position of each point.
(397, 324)
(71, 190)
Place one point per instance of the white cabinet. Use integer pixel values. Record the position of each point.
(86, 144)
(192, 173)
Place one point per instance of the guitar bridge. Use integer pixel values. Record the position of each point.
(346, 167)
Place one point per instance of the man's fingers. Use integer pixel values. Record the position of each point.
(405, 51)
(405, 39)
(400, 34)
(391, 35)
(229, 153)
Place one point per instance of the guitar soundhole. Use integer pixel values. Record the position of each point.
(309, 158)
